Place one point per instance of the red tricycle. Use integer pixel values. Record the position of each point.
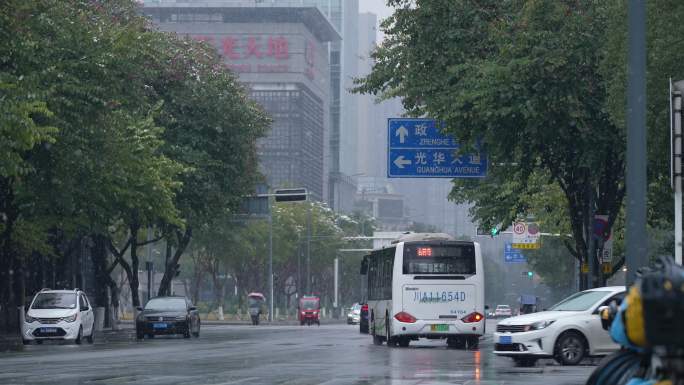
(309, 310)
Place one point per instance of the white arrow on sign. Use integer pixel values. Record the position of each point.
(402, 133)
(401, 162)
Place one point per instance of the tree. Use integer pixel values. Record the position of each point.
(211, 128)
(523, 78)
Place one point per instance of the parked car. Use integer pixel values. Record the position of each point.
(58, 315)
(502, 311)
(363, 319)
(568, 331)
(167, 315)
(354, 314)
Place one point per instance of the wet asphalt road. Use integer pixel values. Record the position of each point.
(241, 354)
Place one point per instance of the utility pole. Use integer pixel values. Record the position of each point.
(308, 250)
(270, 263)
(635, 235)
(676, 160)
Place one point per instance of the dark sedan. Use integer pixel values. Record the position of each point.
(167, 315)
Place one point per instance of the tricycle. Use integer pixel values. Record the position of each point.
(255, 301)
(309, 310)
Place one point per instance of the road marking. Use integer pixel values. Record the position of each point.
(238, 381)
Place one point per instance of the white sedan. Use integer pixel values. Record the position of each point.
(567, 332)
(502, 311)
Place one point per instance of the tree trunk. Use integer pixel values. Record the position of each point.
(133, 281)
(171, 267)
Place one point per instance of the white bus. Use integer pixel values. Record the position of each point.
(426, 286)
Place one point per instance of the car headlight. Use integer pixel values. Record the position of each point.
(30, 319)
(540, 325)
(70, 318)
(180, 318)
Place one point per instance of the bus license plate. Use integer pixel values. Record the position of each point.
(439, 328)
(505, 340)
(159, 326)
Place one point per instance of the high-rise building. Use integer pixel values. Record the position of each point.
(281, 54)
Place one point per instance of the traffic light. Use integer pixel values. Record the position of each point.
(528, 274)
(290, 195)
(494, 231)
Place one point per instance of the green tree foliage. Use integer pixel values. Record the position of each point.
(523, 77)
(238, 247)
(109, 129)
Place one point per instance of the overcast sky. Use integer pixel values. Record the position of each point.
(377, 7)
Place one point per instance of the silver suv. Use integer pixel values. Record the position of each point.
(58, 315)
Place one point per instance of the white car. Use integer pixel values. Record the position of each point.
(502, 311)
(58, 315)
(567, 332)
(354, 315)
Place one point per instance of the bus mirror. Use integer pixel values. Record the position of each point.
(364, 265)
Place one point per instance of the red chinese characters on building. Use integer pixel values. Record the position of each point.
(278, 48)
(253, 48)
(229, 47)
(237, 48)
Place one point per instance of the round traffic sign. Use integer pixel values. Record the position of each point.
(532, 228)
(519, 228)
(601, 228)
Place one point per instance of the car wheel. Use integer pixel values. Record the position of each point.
(77, 341)
(186, 334)
(570, 348)
(39, 342)
(197, 333)
(139, 335)
(26, 342)
(404, 342)
(389, 339)
(90, 338)
(456, 342)
(524, 362)
(150, 336)
(377, 340)
(472, 342)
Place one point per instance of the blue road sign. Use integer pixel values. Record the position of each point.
(418, 149)
(512, 255)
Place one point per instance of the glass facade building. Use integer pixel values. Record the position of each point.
(279, 49)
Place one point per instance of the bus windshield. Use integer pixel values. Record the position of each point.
(439, 259)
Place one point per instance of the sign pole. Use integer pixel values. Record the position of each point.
(636, 254)
(270, 260)
(677, 174)
(592, 240)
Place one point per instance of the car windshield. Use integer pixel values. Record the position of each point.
(166, 304)
(310, 304)
(580, 301)
(55, 301)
